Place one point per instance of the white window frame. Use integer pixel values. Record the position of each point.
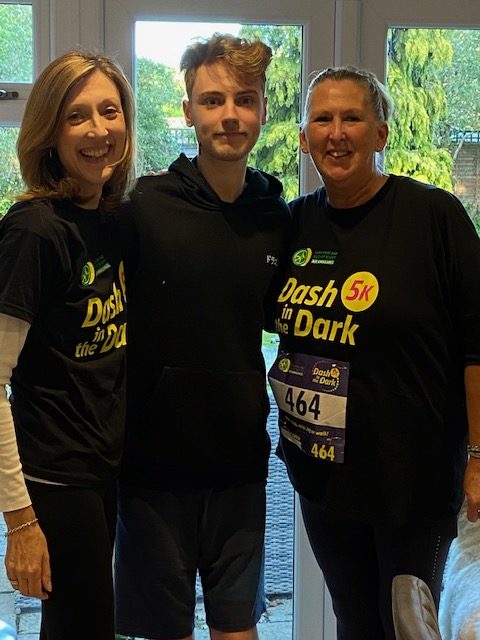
(11, 111)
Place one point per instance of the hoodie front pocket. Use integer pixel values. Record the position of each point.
(210, 417)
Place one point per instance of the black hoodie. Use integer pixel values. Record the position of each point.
(201, 274)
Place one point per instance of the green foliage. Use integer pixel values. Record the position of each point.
(159, 95)
(429, 165)
(417, 146)
(10, 181)
(277, 149)
(473, 210)
(462, 80)
(16, 36)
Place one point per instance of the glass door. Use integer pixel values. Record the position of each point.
(135, 35)
(428, 54)
(318, 28)
(378, 16)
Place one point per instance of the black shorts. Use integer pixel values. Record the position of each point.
(164, 537)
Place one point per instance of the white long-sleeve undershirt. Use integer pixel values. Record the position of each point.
(13, 492)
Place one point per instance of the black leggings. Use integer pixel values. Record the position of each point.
(79, 525)
(359, 562)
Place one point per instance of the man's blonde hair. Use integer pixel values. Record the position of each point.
(246, 59)
(40, 166)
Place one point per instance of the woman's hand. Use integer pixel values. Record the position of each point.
(27, 561)
(471, 485)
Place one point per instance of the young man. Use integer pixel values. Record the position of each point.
(209, 236)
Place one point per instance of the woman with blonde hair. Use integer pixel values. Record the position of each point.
(62, 343)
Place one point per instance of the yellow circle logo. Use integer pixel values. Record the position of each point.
(360, 291)
(284, 365)
(301, 257)
(88, 274)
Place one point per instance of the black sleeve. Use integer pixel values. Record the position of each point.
(27, 264)
(462, 251)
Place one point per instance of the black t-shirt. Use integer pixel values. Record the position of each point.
(393, 289)
(62, 272)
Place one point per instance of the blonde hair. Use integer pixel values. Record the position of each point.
(379, 97)
(41, 169)
(247, 59)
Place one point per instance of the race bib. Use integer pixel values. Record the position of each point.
(311, 394)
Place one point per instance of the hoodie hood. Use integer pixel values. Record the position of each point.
(261, 188)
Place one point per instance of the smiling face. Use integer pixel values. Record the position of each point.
(342, 134)
(227, 115)
(92, 136)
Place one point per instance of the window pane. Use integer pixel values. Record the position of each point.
(10, 181)
(162, 133)
(16, 43)
(435, 133)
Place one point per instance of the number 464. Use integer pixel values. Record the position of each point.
(323, 452)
